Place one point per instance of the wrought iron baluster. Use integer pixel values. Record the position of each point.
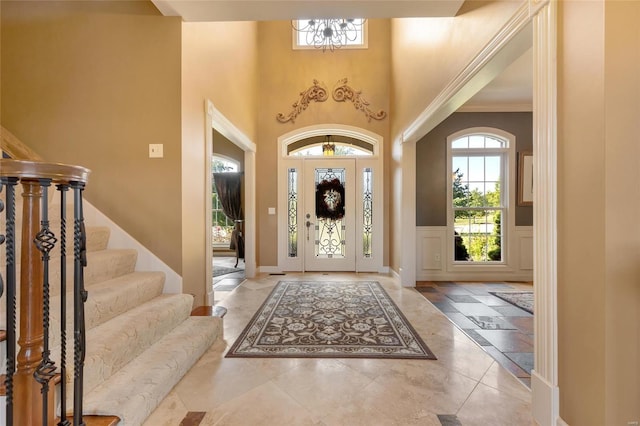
(63, 188)
(2, 239)
(45, 241)
(10, 214)
(79, 297)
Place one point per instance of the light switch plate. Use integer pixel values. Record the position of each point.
(156, 150)
(272, 210)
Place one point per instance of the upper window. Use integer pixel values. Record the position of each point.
(330, 145)
(329, 33)
(478, 201)
(336, 149)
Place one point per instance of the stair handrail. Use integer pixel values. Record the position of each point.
(15, 148)
(31, 374)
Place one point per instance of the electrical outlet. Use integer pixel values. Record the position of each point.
(436, 257)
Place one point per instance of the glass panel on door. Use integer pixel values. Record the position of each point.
(330, 208)
(330, 215)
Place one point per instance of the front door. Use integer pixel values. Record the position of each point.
(329, 215)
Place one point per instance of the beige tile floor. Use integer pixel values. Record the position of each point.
(464, 383)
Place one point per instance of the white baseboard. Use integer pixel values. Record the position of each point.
(394, 273)
(384, 270)
(545, 402)
(119, 238)
(561, 422)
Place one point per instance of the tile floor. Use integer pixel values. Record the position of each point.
(465, 386)
(502, 329)
(223, 285)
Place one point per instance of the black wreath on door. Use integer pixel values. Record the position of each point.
(330, 200)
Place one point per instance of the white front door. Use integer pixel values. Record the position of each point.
(329, 216)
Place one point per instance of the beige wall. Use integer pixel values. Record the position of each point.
(284, 73)
(622, 244)
(93, 83)
(598, 203)
(227, 149)
(224, 72)
(427, 53)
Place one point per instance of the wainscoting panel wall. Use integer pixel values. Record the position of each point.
(433, 265)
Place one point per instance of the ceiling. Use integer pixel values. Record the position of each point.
(512, 90)
(509, 91)
(269, 10)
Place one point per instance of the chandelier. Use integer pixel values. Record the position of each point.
(328, 33)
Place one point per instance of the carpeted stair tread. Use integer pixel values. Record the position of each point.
(111, 345)
(97, 239)
(107, 300)
(135, 391)
(101, 266)
(111, 298)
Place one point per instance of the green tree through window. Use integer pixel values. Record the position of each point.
(222, 226)
(478, 205)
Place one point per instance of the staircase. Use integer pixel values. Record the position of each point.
(140, 341)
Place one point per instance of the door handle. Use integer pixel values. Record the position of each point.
(308, 225)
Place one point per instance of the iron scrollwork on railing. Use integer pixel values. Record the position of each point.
(38, 237)
(45, 241)
(62, 189)
(10, 240)
(79, 296)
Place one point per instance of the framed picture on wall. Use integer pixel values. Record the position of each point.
(525, 179)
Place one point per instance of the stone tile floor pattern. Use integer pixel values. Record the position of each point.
(225, 284)
(502, 329)
(465, 386)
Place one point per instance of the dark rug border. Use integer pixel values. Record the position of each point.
(429, 354)
(497, 294)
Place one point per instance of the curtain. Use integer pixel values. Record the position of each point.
(228, 187)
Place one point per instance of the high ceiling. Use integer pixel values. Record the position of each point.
(512, 90)
(509, 91)
(268, 10)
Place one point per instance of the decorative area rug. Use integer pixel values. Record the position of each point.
(223, 270)
(521, 299)
(350, 319)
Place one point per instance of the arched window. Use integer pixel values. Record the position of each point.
(478, 196)
(330, 145)
(222, 226)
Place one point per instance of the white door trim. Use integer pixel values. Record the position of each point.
(216, 120)
(285, 162)
(511, 39)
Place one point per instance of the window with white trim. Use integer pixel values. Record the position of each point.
(478, 200)
(330, 34)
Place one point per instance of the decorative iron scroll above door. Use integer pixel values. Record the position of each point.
(315, 93)
(341, 93)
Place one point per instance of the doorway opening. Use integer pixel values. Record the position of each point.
(230, 144)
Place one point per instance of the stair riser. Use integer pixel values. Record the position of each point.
(148, 379)
(112, 345)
